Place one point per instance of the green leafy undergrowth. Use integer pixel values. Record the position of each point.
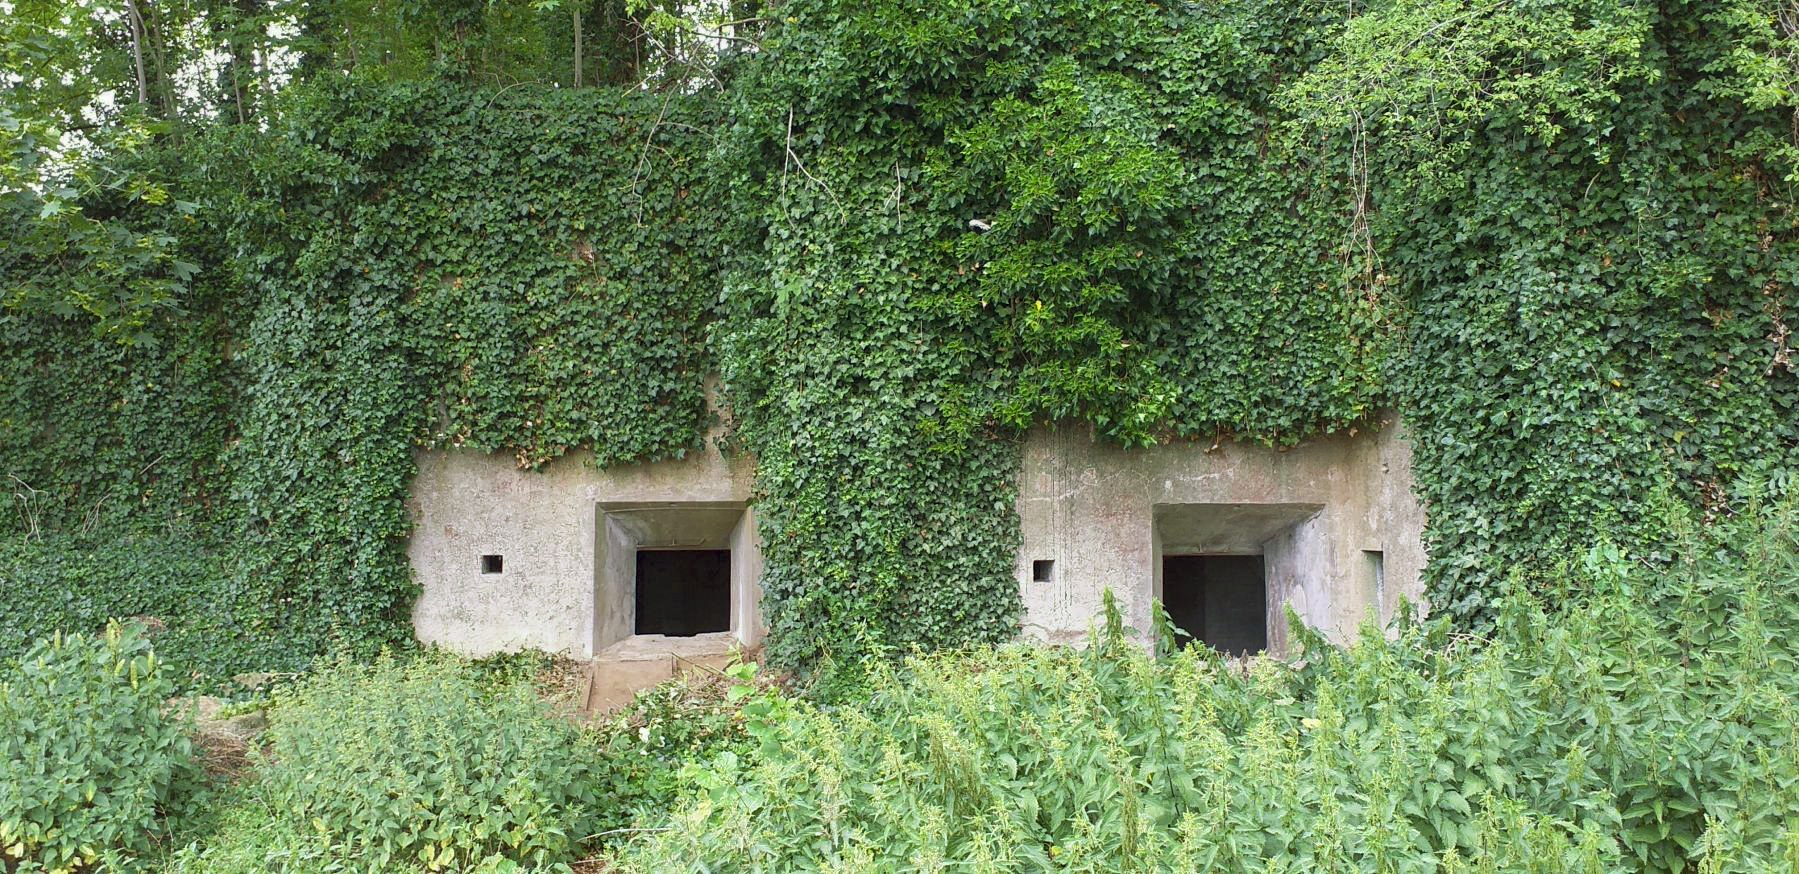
(1653, 730)
(654, 746)
(90, 767)
(253, 838)
(417, 764)
(445, 764)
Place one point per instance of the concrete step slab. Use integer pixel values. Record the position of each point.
(620, 671)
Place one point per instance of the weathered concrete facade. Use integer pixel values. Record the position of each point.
(567, 535)
(1334, 519)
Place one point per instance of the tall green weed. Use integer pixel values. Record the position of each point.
(450, 765)
(89, 764)
(420, 764)
(1652, 729)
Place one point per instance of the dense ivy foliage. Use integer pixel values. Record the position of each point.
(1590, 208)
(242, 472)
(1557, 235)
(419, 305)
(975, 216)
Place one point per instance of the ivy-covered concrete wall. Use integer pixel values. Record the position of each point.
(1103, 514)
(903, 235)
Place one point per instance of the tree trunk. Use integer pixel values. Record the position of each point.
(137, 50)
(575, 10)
(244, 73)
(156, 30)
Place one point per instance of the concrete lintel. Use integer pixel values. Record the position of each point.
(673, 525)
(1225, 529)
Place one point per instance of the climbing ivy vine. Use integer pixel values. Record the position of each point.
(1590, 208)
(1557, 236)
(398, 267)
(972, 217)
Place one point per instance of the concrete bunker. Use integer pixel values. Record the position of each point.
(1226, 535)
(645, 559)
(570, 558)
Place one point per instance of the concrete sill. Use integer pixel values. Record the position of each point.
(645, 647)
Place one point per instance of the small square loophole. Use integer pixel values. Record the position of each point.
(1043, 570)
(493, 564)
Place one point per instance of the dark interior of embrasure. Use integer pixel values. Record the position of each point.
(1219, 600)
(683, 592)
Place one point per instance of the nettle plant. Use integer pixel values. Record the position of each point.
(422, 765)
(1653, 729)
(90, 766)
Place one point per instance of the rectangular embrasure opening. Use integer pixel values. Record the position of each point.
(1377, 576)
(493, 564)
(683, 592)
(1219, 600)
(1043, 570)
